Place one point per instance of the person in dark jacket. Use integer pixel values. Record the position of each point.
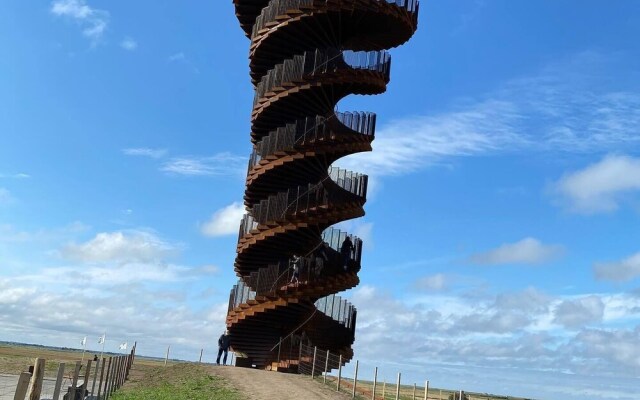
(320, 256)
(223, 346)
(346, 251)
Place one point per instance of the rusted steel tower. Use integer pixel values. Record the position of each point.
(305, 56)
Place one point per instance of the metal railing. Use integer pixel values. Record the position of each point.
(279, 207)
(311, 63)
(333, 306)
(311, 130)
(338, 309)
(278, 277)
(280, 7)
(283, 205)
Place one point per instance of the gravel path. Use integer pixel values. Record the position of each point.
(267, 385)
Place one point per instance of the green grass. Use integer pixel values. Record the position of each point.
(180, 381)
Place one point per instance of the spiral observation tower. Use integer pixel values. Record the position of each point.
(305, 56)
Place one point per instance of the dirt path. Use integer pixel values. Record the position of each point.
(266, 385)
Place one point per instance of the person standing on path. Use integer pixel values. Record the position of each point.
(223, 346)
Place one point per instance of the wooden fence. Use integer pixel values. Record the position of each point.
(95, 380)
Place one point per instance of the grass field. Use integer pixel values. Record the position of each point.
(364, 391)
(149, 379)
(15, 359)
(177, 382)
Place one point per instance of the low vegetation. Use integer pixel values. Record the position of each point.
(176, 382)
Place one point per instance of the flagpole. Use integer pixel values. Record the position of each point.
(84, 348)
(104, 339)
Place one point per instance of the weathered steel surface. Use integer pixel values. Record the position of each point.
(305, 56)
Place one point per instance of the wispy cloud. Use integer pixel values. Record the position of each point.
(218, 164)
(225, 221)
(177, 57)
(432, 283)
(15, 176)
(526, 251)
(93, 21)
(129, 44)
(565, 107)
(145, 152)
(602, 186)
(619, 271)
(181, 58)
(122, 246)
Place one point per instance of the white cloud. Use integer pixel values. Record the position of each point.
(177, 57)
(619, 271)
(145, 152)
(181, 58)
(15, 176)
(219, 164)
(127, 246)
(129, 44)
(526, 251)
(406, 145)
(602, 186)
(93, 21)
(619, 345)
(432, 283)
(565, 107)
(510, 334)
(576, 313)
(225, 221)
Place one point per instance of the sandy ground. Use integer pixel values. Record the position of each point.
(266, 385)
(8, 387)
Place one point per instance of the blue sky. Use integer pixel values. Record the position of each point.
(501, 227)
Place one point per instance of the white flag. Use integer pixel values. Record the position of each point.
(101, 339)
(84, 341)
(123, 346)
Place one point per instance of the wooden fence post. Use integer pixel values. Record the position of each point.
(119, 376)
(384, 389)
(114, 374)
(355, 381)
(74, 382)
(375, 381)
(23, 386)
(398, 387)
(118, 373)
(326, 366)
(313, 367)
(107, 379)
(103, 362)
(426, 390)
(200, 360)
(167, 356)
(35, 386)
(95, 377)
(59, 377)
(87, 376)
(339, 372)
(414, 391)
(124, 369)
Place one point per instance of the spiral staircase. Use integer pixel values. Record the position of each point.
(305, 56)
